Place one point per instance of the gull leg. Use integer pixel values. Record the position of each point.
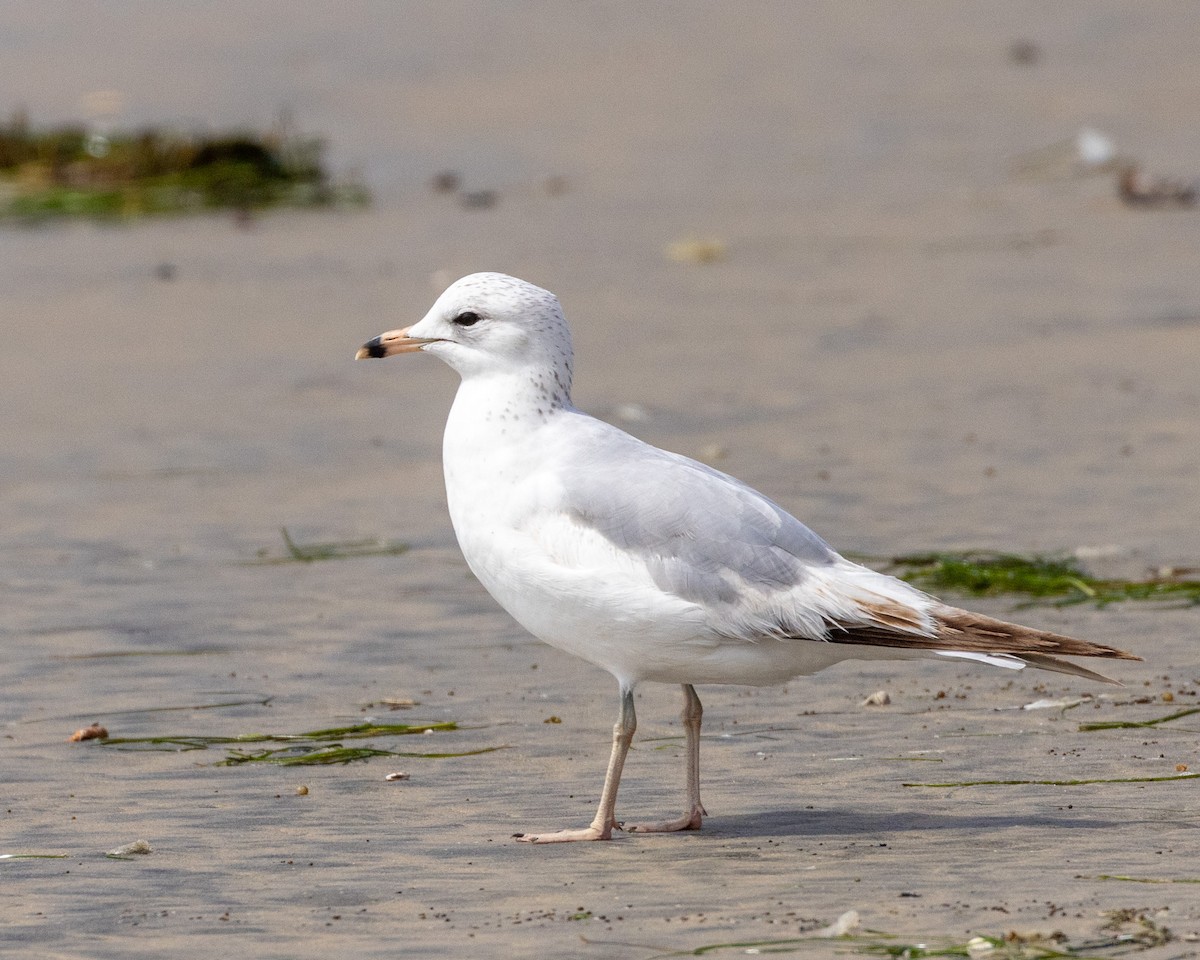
(602, 827)
(693, 816)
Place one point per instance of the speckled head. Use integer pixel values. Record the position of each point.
(487, 324)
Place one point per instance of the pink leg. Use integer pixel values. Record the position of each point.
(602, 827)
(693, 816)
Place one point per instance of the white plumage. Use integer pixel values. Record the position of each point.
(646, 563)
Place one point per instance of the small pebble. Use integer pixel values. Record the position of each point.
(1025, 52)
(697, 250)
(302, 791)
(445, 181)
(879, 698)
(398, 775)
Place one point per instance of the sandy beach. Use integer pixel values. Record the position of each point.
(900, 340)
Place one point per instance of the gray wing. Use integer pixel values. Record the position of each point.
(757, 572)
(703, 535)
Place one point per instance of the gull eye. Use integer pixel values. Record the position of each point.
(467, 319)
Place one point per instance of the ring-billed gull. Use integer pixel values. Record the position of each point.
(646, 563)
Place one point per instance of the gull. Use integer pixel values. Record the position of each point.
(645, 563)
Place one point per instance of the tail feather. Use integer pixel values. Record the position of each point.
(1043, 662)
(963, 630)
(952, 631)
(1039, 660)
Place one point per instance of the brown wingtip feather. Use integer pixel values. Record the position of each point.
(962, 630)
(1043, 662)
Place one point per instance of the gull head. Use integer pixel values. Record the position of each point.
(488, 323)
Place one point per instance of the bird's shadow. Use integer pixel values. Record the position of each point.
(871, 823)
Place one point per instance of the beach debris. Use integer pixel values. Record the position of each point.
(397, 775)
(1118, 935)
(880, 698)
(331, 550)
(398, 703)
(552, 719)
(137, 847)
(1024, 52)
(1168, 571)
(1086, 154)
(980, 947)
(1094, 151)
(94, 732)
(697, 250)
(302, 791)
(844, 925)
(1137, 189)
(1132, 925)
(445, 181)
(1091, 152)
(1049, 704)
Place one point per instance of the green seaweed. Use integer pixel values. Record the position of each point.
(1060, 581)
(1055, 783)
(99, 173)
(1012, 947)
(356, 731)
(309, 748)
(305, 755)
(772, 946)
(335, 753)
(330, 550)
(360, 731)
(255, 700)
(1136, 724)
(33, 856)
(116, 654)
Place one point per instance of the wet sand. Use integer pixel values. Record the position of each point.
(904, 345)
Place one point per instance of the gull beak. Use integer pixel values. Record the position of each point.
(392, 342)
